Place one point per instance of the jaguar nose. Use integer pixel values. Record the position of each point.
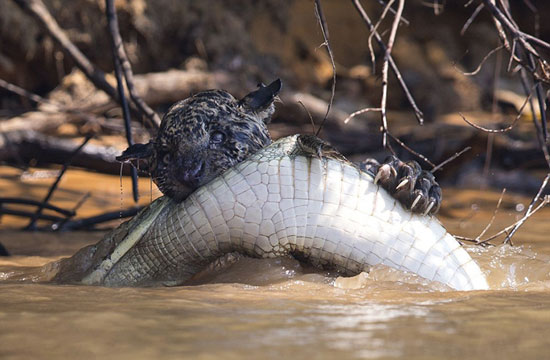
(191, 174)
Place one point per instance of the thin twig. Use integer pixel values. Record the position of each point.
(89, 222)
(19, 201)
(27, 94)
(125, 63)
(540, 138)
(359, 112)
(482, 62)
(385, 66)
(411, 150)
(512, 56)
(438, 8)
(419, 115)
(540, 98)
(445, 162)
(526, 39)
(32, 223)
(506, 129)
(506, 230)
(310, 117)
(493, 217)
(529, 209)
(58, 225)
(403, 20)
(471, 19)
(375, 31)
(30, 215)
(324, 30)
(115, 36)
(512, 27)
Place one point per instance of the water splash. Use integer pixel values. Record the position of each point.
(513, 267)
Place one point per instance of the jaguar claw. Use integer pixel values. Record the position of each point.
(402, 184)
(379, 174)
(416, 201)
(407, 183)
(430, 206)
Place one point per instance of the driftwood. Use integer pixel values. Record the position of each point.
(166, 88)
(356, 140)
(35, 121)
(20, 147)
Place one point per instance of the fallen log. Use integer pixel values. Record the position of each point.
(24, 146)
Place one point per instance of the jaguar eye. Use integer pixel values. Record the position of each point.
(217, 137)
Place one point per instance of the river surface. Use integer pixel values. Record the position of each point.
(278, 308)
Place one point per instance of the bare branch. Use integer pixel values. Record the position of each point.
(510, 26)
(411, 150)
(540, 98)
(508, 128)
(385, 66)
(324, 30)
(375, 31)
(512, 56)
(493, 217)
(116, 43)
(438, 167)
(359, 112)
(37, 215)
(395, 69)
(471, 19)
(20, 201)
(27, 94)
(310, 117)
(120, 53)
(403, 20)
(540, 137)
(89, 222)
(529, 211)
(545, 201)
(482, 62)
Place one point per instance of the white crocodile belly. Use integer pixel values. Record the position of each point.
(333, 214)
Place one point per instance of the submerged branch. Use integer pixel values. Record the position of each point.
(32, 223)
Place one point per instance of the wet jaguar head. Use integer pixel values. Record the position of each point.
(206, 134)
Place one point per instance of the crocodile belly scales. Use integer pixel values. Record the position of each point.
(325, 211)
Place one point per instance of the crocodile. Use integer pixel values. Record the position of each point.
(296, 197)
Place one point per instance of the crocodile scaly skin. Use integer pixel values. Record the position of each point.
(280, 203)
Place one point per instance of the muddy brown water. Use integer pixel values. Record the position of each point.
(279, 308)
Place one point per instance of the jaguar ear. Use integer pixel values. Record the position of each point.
(136, 152)
(261, 101)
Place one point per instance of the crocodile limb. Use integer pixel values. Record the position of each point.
(292, 198)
